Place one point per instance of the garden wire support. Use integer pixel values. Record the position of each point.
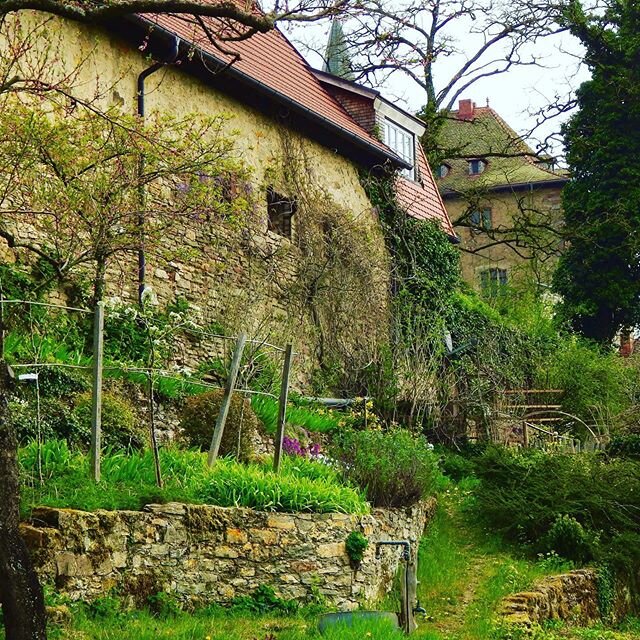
(409, 584)
(282, 406)
(226, 400)
(96, 395)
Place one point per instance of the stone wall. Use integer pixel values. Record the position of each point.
(205, 554)
(562, 597)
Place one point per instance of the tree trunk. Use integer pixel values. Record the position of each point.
(20, 592)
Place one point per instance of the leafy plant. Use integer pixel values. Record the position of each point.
(569, 539)
(199, 418)
(356, 544)
(120, 427)
(163, 605)
(396, 468)
(128, 482)
(265, 600)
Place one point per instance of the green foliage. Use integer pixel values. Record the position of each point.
(597, 383)
(396, 468)
(599, 271)
(455, 466)
(56, 421)
(606, 582)
(199, 418)
(120, 427)
(299, 414)
(625, 446)
(356, 544)
(265, 600)
(569, 539)
(532, 496)
(163, 605)
(104, 607)
(128, 482)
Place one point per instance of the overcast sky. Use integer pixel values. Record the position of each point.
(515, 95)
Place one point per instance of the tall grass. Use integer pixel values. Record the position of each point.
(128, 482)
(309, 417)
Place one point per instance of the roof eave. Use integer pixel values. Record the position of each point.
(379, 154)
(515, 186)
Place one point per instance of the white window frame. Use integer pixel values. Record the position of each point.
(403, 142)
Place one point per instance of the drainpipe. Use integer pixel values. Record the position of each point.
(142, 265)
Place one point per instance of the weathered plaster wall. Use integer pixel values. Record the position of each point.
(245, 276)
(204, 554)
(504, 206)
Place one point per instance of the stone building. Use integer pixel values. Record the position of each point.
(502, 198)
(283, 120)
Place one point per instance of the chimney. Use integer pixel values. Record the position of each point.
(466, 109)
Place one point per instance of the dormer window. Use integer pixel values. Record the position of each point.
(403, 143)
(280, 211)
(476, 167)
(443, 170)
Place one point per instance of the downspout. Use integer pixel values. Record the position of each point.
(156, 66)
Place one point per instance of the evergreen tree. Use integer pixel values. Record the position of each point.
(599, 273)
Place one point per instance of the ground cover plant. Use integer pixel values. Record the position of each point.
(128, 482)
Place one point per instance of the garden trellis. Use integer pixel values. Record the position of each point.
(237, 363)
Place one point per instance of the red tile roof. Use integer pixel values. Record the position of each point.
(270, 59)
(423, 200)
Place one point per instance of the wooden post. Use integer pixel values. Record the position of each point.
(96, 399)
(525, 434)
(282, 407)
(226, 399)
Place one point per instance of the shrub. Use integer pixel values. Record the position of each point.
(625, 446)
(569, 539)
(120, 429)
(396, 468)
(199, 418)
(455, 466)
(56, 421)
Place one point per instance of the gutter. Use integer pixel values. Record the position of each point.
(281, 98)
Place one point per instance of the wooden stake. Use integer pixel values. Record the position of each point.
(282, 406)
(226, 400)
(96, 399)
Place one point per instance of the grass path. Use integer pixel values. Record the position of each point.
(465, 571)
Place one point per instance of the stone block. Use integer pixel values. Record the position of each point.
(224, 551)
(265, 536)
(277, 521)
(236, 536)
(331, 550)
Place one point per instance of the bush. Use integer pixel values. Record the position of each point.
(396, 468)
(199, 418)
(56, 422)
(120, 429)
(568, 538)
(529, 495)
(625, 447)
(264, 600)
(455, 466)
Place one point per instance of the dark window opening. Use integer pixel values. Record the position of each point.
(443, 171)
(481, 220)
(492, 279)
(476, 167)
(280, 211)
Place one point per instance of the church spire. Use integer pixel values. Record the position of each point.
(336, 57)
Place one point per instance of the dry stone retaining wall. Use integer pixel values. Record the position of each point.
(205, 554)
(561, 597)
